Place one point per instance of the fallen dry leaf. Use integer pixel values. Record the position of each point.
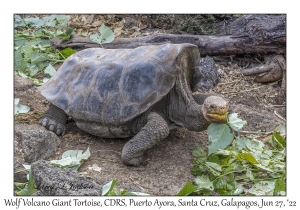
(95, 167)
(118, 31)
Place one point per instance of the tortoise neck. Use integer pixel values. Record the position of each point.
(186, 113)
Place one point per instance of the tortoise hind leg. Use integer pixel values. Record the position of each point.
(155, 130)
(54, 119)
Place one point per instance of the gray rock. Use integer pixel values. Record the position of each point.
(19, 173)
(257, 120)
(32, 143)
(53, 181)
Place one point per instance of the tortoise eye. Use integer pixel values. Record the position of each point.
(212, 106)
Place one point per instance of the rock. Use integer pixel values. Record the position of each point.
(20, 176)
(22, 84)
(32, 143)
(257, 120)
(53, 181)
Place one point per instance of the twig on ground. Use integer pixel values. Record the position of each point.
(279, 116)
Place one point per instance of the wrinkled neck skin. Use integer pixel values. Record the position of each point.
(185, 113)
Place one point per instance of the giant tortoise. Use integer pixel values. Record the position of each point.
(141, 93)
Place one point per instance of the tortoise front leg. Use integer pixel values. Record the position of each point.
(155, 130)
(54, 119)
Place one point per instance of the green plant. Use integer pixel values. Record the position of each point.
(19, 108)
(28, 188)
(222, 134)
(247, 167)
(72, 159)
(106, 35)
(33, 53)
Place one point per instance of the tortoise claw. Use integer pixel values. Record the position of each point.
(52, 125)
(43, 122)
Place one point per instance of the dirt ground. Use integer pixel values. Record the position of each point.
(168, 164)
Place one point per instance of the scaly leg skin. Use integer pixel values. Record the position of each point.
(54, 119)
(153, 132)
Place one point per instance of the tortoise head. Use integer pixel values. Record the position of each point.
(215, 109)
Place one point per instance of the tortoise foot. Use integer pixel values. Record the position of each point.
(132, 161)
(54, 120)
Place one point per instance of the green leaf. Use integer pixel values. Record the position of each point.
(30, 188)
(222, 152)
(21, 74)
(214, 168)
(199, 152)
(62, 19)
(17, 59)
(198, 170)
(281, 129)
(264, 168)
(46, 79)
(220, 137)
(107, 188)
(26, 50)
(37, 57)
(19, 187)
(204, 184)
(33, 43)
(128, 193)
(187, 189)
(234, 169)
(27, 167)
(40, 24)
(17, 100)
(235, 122)
(67, 52)
(33, 70)
(248, 157)
(107, 35)
(280, 141)
(262, 188)
(255, 146)
(67, 35)
(19, 41)
(19, 108)
(95, 38)
(249, 174)
(280, 187)
(243, 142)
(72, 159)
(50, 70)
(31, 21)
(19, 22)
(49, 20)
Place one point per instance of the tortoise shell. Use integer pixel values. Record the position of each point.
(113, 86)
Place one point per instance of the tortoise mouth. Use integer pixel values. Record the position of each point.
(216, 117)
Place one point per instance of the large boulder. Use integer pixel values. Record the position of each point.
(32, 143)
(53, 181)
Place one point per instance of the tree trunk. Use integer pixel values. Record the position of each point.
(261, 34)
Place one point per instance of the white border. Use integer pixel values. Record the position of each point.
(153, 6)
